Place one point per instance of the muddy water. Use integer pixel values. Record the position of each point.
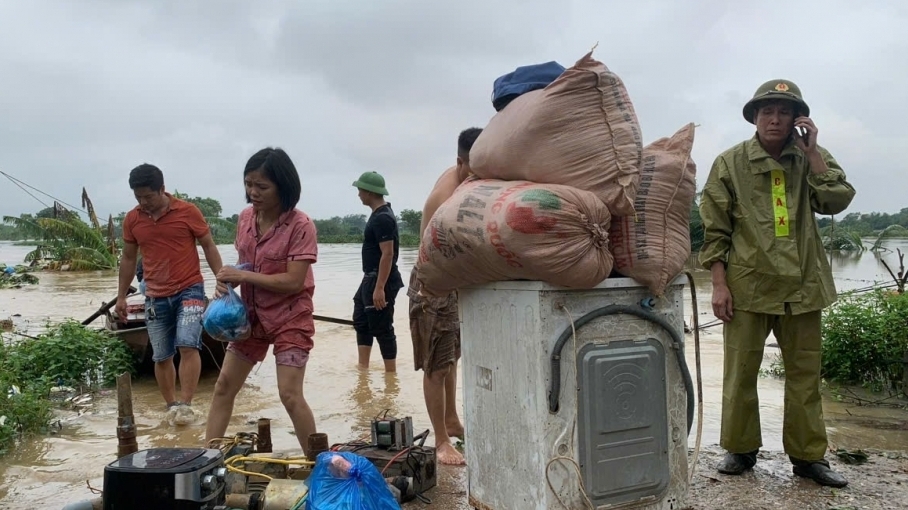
(48, 472)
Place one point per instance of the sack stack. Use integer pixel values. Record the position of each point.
(561, 179)
(653, 245)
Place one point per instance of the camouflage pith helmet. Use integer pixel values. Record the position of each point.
(776, 89)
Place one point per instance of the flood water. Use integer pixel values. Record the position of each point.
(48, 472)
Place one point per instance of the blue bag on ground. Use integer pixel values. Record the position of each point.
(522, 80)
(347, 481)
(226, 318)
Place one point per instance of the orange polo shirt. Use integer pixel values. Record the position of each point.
(170, 259)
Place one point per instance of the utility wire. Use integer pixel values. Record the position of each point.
(25, 190)
(20, 183)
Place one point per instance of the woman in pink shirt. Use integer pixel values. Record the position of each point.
(280, 243)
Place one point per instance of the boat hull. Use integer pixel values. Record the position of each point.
(134, 333)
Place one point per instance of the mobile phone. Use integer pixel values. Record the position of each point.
(803, 132)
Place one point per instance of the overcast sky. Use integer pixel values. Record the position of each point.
(90, 89)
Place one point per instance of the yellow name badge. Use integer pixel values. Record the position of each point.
(779, 202)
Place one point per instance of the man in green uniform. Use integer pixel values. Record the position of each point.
(769, 273)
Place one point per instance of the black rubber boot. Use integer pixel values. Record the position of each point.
(737, 463)
(818, 471)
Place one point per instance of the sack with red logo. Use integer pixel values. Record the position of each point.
(493, 230)
(653, 246)
(581, 130)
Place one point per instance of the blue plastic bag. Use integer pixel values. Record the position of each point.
(347, 481)
(226, 318)
(522, 80)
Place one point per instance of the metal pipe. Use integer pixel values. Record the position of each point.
(87, 504)
(263, 439)
(242, 501)
(316, 444)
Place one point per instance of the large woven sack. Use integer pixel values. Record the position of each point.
(580, 131)
(493, 230)
(653, 247)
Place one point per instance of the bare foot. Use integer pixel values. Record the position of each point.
(449, 455)
(455, 430)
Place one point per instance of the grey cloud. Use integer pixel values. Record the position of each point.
(409, 53)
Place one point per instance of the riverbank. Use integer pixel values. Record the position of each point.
(879, 484)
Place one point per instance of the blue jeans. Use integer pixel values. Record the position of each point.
(175, 321)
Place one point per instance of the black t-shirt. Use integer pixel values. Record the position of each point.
(381, 227)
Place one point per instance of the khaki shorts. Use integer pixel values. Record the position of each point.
(434, 328)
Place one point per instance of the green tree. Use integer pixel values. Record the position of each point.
(223, 230)
(47, 212)
(210, 207)
(330, 227)
(10, 233)
(355, 223)
(410, 221)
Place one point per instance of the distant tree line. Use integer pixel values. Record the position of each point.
(61, 234)
(65, 230)
(350, 228)
(867, 224)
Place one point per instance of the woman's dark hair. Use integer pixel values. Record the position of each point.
(276, 165)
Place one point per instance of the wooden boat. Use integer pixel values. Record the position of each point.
(134, 332)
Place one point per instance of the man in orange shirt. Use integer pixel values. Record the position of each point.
(166, 230)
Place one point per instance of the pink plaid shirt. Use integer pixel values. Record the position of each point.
(292, 237)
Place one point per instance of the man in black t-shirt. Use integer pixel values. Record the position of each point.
(373, 304)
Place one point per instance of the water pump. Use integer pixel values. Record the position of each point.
(177, 478)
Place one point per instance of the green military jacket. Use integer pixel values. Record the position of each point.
(758, 218)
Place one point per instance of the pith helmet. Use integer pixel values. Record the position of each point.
(776, 89)
(372, 181)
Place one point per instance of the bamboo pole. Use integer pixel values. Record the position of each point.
(126, 423)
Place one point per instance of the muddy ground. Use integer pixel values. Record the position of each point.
(880, 483)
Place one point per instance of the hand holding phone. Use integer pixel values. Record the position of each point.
(806, 133)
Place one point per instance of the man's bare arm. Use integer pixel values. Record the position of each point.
(212, 255)
(444, 188)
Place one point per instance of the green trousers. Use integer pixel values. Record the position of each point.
(803, 429)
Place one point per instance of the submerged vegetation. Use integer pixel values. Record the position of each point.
(67, 359)
(848, 234)
(16, 276)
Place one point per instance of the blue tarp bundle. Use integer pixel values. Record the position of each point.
(522, 80)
